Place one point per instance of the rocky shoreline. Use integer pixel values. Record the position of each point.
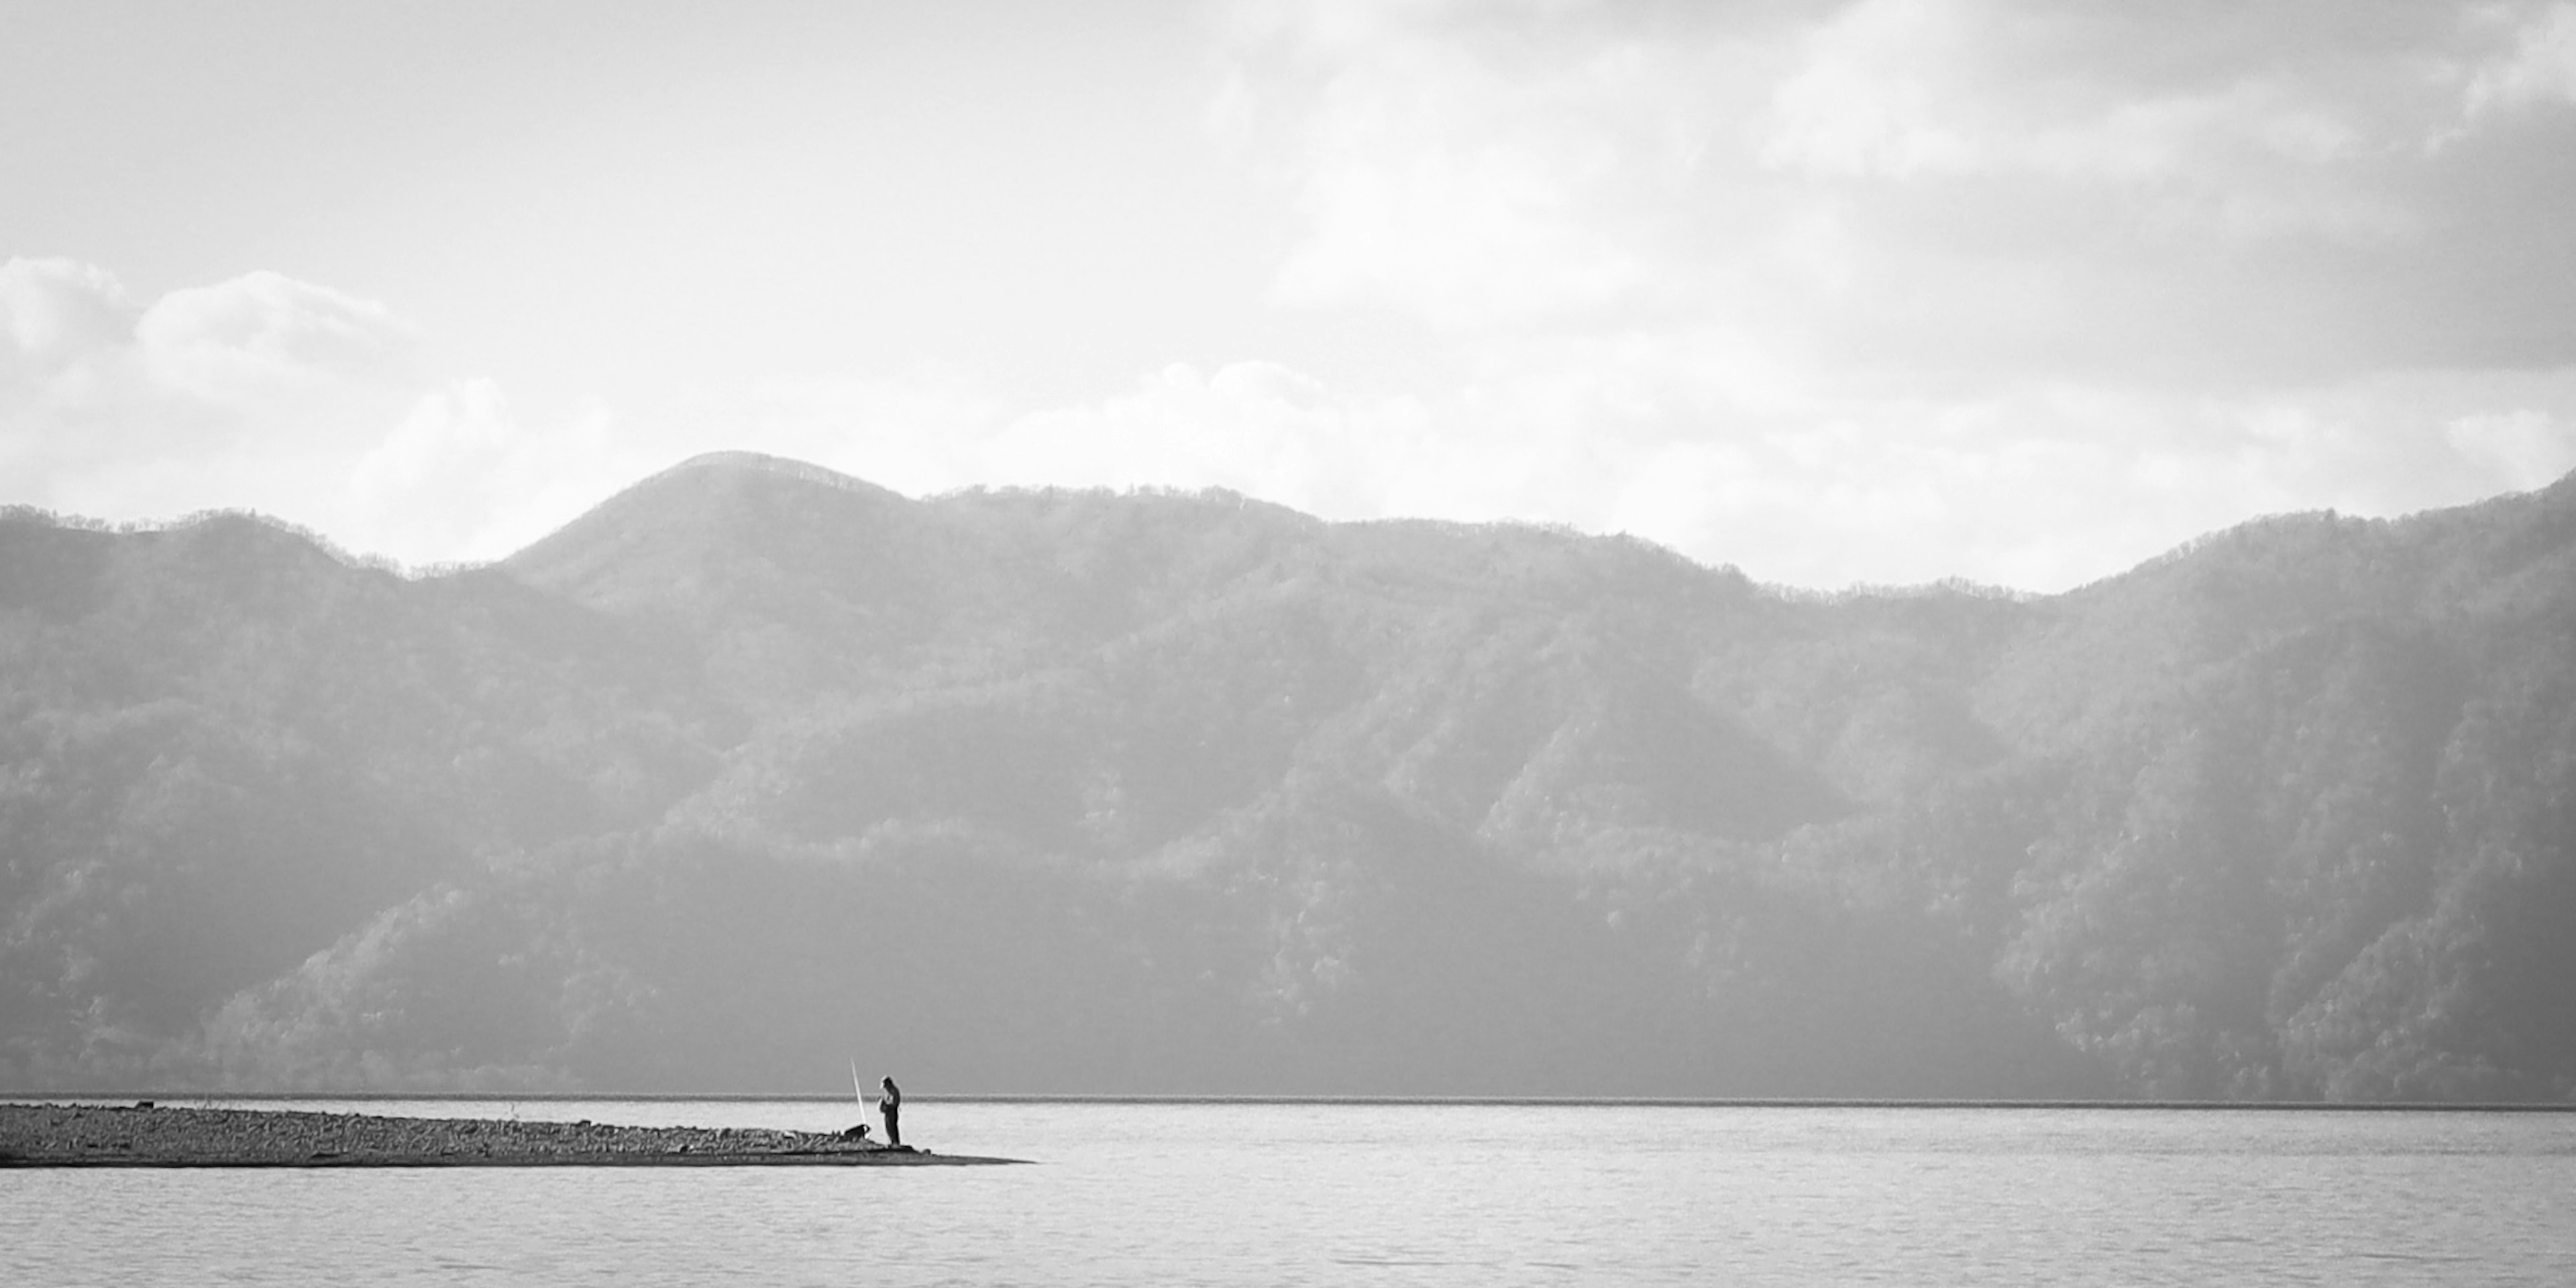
(146, 1135)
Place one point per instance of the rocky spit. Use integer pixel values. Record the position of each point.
(144, 1135)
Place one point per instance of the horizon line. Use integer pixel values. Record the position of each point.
(1500, 1101)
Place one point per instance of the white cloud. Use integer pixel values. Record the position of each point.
(2042, 485)
(1897, 89)
(1687, 437)
(916, 431)
(1884, 291)
(461, 478)
(1906, 288)
(1871, 97)
(1475, 173)
(1255, 427)
(263, 334)
(266, 393)
(1956, 175)
(58, 311)
(2539, 69)
(2524, 447)
(133, 412)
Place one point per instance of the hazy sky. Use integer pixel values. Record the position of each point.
(1880, 291)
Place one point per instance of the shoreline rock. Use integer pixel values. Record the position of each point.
(143, 1135)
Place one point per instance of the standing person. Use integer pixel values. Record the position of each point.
(889, 1102)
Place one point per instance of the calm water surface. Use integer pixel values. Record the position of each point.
(1382, 1194)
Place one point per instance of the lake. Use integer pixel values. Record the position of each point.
(1351, 1193)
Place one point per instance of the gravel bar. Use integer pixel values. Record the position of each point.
(144, 1135)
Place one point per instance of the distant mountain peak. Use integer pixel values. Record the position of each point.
(728, 462)
(690, 496)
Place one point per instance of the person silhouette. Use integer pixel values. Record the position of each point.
(890, 1103)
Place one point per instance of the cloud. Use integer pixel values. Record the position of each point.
(1884, 290)
(261, 392)
(1916, 185)
(2523, 448)
(1897, 289)
(2041, 485)
(263, 333)
(1255, 427)
(303, 402)
(223, 395)
(57, 312)
(2540, 67)
(267, 393)
(461, 478)
(1905, 88)
(1475, 166)
(1870, 97)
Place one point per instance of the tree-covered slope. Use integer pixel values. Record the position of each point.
(756, 768)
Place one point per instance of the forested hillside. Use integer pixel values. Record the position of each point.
(756, 769)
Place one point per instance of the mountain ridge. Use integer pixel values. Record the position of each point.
(1082, 791)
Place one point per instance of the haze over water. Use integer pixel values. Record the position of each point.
(1335, 1193)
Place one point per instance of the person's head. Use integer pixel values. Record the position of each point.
(885, 1082)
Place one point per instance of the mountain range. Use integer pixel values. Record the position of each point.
(756, 770)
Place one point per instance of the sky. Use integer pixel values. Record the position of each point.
(1866, 292)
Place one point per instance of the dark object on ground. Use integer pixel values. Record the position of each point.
(859, 1132)
(87, 1135)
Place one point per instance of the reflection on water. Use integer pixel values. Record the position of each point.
(1399, 1194)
